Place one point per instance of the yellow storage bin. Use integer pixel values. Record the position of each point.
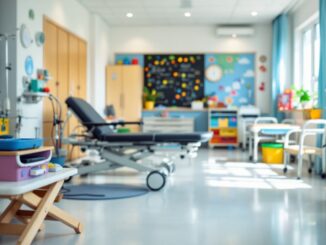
(228, 132)
(272, 153)
(4, 126)
(223, 122)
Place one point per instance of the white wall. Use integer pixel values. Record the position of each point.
(197, 39)
(100, 53)
(76, 18)
(304, 11)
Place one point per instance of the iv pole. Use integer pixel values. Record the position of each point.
(6, 101)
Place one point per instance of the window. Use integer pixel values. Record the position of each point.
(308, 59)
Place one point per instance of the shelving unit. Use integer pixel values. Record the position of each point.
(224, 124)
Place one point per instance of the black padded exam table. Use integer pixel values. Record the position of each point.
(100, 135)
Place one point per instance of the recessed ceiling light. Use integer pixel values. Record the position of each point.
(254, 13)
(130, 15)
(187, 14)
(234, 35)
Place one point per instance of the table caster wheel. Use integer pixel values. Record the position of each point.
(323, 176)
(170, 167)
(309, 170)
(155, 180)
(285, 170)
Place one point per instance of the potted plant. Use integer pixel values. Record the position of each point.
(304, 97)
(306, 101)
(150, 97)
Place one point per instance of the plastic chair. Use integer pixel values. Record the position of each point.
(300, 149)
(246, 123)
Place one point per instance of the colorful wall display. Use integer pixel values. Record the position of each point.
(182, 78)
(179, 78)
(230, 77)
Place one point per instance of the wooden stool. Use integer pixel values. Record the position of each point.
(39, 194)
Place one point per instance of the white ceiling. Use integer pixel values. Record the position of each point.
(171, 12)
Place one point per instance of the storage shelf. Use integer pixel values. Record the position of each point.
(228, 119)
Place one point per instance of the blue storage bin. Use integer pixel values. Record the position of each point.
(233, 122)
(8, 143)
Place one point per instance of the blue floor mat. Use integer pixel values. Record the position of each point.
(102, 191)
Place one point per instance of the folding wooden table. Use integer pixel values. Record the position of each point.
(39, 194)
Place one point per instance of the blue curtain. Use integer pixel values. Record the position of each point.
(280, 60)
(322, 69)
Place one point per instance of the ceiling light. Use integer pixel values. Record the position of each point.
(130, 15)
(234, 35)
(187, 14)
(254, 13)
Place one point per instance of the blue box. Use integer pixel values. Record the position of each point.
(8, 143)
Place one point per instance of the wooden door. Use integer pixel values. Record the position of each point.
(63, 73)
(65, 56)
(50, 62)
(132, 94)
(114, 86)
(82, 72)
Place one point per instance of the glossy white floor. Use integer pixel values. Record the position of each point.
(217, 199)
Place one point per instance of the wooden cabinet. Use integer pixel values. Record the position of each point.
(124, 88)
(65, 56)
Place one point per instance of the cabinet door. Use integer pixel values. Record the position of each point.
(50, 62)
(82, 72)
(114, 88)
(82, 85)
(63, 72)
(132, 94)
(73, 88)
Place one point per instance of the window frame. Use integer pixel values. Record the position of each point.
(310, 24)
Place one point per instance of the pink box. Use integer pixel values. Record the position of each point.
(17, 166)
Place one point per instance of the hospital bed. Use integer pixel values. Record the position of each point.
(129, 149)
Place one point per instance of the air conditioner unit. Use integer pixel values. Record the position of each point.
(234, 31)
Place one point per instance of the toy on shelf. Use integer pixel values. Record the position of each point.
(36, 89)
(212, 101)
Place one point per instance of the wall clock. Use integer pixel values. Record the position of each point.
(25, 36)
(214, 73)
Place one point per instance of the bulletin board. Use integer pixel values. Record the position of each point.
(182, 78)
(177, 78)
(231, 77)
